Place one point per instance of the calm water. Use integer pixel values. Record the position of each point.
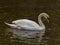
(16, 9)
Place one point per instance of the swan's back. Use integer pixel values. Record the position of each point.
(27, 24)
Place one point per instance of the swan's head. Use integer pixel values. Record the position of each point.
(45, 15)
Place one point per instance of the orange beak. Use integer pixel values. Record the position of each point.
(47, 20)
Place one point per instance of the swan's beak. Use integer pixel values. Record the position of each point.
(47, 20)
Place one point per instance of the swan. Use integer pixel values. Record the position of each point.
(31, 27)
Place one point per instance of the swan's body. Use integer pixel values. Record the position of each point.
(30, 26)
(26, 24)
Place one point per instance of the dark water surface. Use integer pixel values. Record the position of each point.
(16, 9)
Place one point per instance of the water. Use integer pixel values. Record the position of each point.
(16, 9)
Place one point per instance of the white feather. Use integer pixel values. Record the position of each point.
(28, 28)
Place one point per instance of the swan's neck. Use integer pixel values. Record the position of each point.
(40, 21)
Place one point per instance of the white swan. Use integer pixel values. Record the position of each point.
(30, 26)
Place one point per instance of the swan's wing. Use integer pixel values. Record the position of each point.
(12, 25)
(27, 24)
(20, 20)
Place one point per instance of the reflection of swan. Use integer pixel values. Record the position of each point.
(30, 26)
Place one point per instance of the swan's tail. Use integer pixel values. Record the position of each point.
(11, 25)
